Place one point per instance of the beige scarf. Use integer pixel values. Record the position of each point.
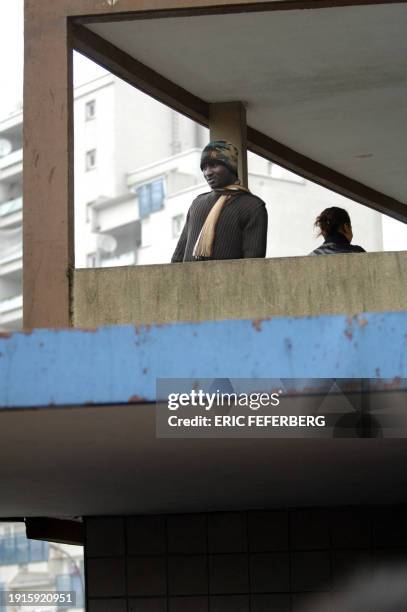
(204, 245)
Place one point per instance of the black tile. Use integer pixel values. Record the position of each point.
(148, 604)
(310, 529)
(351, 528)
(268, 531)
(105, 577)
(104, 537)
(310, 571)
(146, 535)
(187, 533)
(389, 527)
(269, 572)
(187, 575)
(228, 574)
(147, 576)
(309, 602)
(227, 532)
(188, 604)
(270, 603)
(230, 603)
(106, 605)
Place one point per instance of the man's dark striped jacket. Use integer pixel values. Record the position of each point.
(241, 230)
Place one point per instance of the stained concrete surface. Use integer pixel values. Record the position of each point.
(240, 289)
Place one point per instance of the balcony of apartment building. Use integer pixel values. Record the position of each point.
(11, 213)
(11, 312)
(114, 228)
(11, 254)
(143, 225)
(320, 142)
(11, 166)
(11, 238)
(11, 262)
(11, 149)
(153, 217)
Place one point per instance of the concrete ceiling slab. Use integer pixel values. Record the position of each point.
(66, 462)
(330, 83)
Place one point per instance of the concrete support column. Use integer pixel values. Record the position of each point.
(48, 253)
(227, 121)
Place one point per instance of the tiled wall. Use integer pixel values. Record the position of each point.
(258, 561)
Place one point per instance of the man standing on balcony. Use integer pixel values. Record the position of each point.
(227, 222)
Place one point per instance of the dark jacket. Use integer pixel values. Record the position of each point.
(241, 230)
(337, 243)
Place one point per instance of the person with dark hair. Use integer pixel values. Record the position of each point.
(227, 222)
(336, 228)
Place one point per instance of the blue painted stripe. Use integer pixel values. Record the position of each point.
(115, 364)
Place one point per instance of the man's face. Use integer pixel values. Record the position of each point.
(217, 175)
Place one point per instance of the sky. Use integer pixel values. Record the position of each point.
(11, 55)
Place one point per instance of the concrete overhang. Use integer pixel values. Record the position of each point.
(325, 86)
(78, 435)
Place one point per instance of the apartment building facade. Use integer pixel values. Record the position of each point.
(34, 566)
(11, 207)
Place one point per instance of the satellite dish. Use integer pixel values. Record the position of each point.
(106, 243)
(5, 147)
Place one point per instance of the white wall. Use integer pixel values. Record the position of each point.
(97, 134)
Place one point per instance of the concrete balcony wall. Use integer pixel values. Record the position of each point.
(241, 289)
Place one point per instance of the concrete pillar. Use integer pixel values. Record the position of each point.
(227, 121)
(48, 252)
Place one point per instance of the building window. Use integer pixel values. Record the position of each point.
(150, 197)
(177, 225)
(90, 110)
(17, 550)
(90, 159)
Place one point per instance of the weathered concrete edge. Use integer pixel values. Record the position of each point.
(241, 289)
(114, 365)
